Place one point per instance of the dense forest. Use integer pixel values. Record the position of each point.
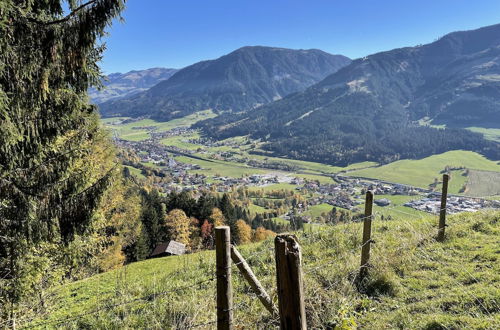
(346, 139)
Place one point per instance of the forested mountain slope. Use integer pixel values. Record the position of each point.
(370, 109)
(241, 80)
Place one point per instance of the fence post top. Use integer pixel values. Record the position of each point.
(290, 241)
(286, 237)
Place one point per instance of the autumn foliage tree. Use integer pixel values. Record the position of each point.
(217, 218)
(177, 226)
(117, 224)
(207, 234)
(262, 233)
(243, 233)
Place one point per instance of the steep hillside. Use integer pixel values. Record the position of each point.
(370, 109)
(119, 85)
(241, 80)
(414, 283)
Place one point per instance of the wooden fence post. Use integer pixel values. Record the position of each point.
(253, 281)
(223, 272)
(289, 279)
(367, 233)
(442, 211)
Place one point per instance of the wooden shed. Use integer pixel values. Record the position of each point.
(171, 248)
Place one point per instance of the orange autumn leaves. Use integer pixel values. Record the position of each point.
(179, 228)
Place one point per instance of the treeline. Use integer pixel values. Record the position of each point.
(191, 221)
(346, 139)
(384, 147)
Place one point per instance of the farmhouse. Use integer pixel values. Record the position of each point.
(168, 249)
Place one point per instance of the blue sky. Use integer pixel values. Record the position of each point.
(177, 33)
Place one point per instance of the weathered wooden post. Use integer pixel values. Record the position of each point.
(367, 234)
(223, 272)
(290, 284)
(442, 211)
(253, 281)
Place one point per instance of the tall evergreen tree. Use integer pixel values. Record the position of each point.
(206, 203)
(153, 213)
(54, 159)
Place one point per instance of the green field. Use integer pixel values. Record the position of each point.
(135, 171)
(181, 141)
(457, 181)
(210, 168)
(492, 134)
(483, 183)
(315, 211)
(112, 120)
(138, 131)
(254, 209)
(421, 173)
(275, 186)
(395, 210)
(314, 167)
(237, 170)
(414, 283)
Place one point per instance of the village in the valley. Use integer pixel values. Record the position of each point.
(343, 192)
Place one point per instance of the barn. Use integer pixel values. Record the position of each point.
(171, 248)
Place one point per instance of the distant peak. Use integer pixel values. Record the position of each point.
(269, 48)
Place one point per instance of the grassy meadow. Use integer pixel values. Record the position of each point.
(414, 283)
(396, 210)
(315, 211)
(139, 130)
(421, 172)
(483, 183)
(181, 141)
(492, 134)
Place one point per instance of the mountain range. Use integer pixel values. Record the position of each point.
(373, 108)
(120, 85)
(242, 80)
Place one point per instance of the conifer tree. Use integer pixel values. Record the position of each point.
(55, 162)
(153, 213)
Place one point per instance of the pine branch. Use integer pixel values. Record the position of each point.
(66, 18)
